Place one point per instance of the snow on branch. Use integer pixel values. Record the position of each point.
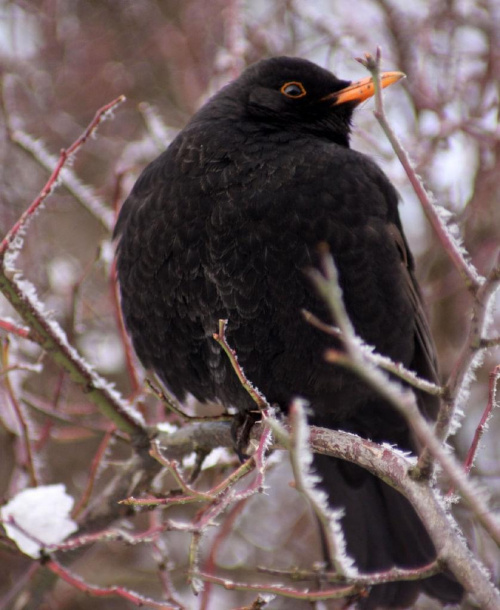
(43, 328)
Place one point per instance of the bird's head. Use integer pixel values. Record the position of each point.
(295, 94)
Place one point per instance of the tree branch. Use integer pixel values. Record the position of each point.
(51, 184)
(454, 250)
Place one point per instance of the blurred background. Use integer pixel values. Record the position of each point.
(62, 60)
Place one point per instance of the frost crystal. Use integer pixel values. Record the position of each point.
(317, 496)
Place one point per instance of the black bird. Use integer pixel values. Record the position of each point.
(225, 224)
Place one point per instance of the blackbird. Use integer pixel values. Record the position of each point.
(225, 224)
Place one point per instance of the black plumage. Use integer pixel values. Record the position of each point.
(224, 224)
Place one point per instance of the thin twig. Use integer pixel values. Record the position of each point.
(190, 495)
(256, 395)
(385, 463)
(454, 250)
(94, 468)
(173, 468)
(481, 289)
(64, 157)
(21, 418)
(80, 584)
(59, 416)
(220, 538)
(465, 363)
(481, 427)
(473, 344)
(375, 578)
(45, 331)
(132, 374)
(15, 329)
(383, 362)
(281, 590)
(161, 556)
(171, 404)
(399, 398)
(82, 193)
(229, 496)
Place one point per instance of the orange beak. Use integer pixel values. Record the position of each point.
(361, 90)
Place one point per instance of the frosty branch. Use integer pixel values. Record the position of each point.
(482, 289)
(383, 462)
(45, 331)
(402, 400)
(64, 157)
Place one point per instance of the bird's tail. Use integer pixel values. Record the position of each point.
(382, 531)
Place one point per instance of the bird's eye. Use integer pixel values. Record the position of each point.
(293, 90)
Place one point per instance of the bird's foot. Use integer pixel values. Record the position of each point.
(241, 428)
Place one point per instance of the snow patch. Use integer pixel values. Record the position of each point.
(39, 518)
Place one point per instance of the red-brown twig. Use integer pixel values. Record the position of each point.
(14, 329)
(190, 495)
(257, 396)
(132, 374)
(21, 418)
(52, 339)
(171, 404)
(94, 468)
(454, 251)
(173, 468)
(470, 349)
(481, 288)
(87, 198)
(64, 157)
(44, 435)
(54, 415)
(288, 592)
(161, 556)
(391, 466)
(46, 331)
(95, 591)
(120, 535)
(206, 517)
(481, 427)
(210, 563)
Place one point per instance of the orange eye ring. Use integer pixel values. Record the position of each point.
(293, 90)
